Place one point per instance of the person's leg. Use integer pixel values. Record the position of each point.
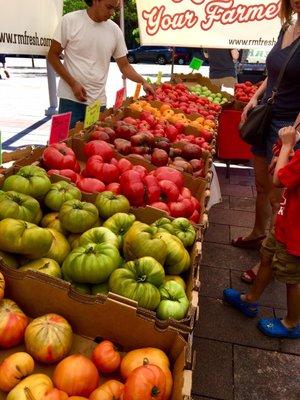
(292, 318)
(262, 280)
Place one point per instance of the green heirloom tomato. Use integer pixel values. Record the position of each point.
(20, 206)
(119, 224)
(82, 288)
(17, 236)
(73, 240)
(78, 216)
(30, 180)
(9, 260)
(92, 263)
(164, 224)
(109, 204)
(52, 221)
(98, 235)
(45, 265)
(59, 193)
(143, 240)
(139, 280)
(178, 259)
(175, 278)
(174, 302)
(184, 230)
(102, 288)
(60, 247)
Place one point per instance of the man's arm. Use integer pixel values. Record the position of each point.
(53, 58)
(235, 55)
(129, 72)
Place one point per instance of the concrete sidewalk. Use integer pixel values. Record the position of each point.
(234, 360)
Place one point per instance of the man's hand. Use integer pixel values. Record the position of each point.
(148, 88)
(79, 92)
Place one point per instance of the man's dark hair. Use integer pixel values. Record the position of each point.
(89, 2)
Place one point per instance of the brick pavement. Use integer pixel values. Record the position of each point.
(234, 360)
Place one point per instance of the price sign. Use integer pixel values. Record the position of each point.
(196, 63)
(60, 126)
(119, 98)
(158, 77)
(92, 113)
(137, 91)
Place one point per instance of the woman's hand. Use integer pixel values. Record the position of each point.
(252, 103)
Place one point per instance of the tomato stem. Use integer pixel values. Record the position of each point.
(155, 391)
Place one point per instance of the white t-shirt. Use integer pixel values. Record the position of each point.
(88, 47)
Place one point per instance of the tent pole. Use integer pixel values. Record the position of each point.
(173, 62)
(52, 91)
(122, 26)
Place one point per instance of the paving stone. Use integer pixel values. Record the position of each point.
(274, 295)
(236, 190)
(224, 203)
(217, 233)
(222, 322)
(232, 217)
(265, 375)
(213, 375)
(242, 203)
(241, 180)
(213, 281)
(240, 171)
(226, 256)
(202, 398)
(287, 345)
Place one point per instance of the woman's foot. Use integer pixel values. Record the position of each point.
(276, 328)
(249, 275)
(237, 300)
(247, 242)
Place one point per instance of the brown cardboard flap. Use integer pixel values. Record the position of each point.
(92, 319)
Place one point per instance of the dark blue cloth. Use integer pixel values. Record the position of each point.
(221, 64)
(287, 102)
(265, 150)
(77, 109)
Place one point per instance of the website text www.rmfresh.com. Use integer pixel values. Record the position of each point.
(15, 38)
(251, 42)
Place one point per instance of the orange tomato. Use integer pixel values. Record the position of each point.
(110, 390)
(165, 107)
(106, 357)
(13, 323)
(13, 369)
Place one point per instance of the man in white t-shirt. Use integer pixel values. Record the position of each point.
(89, 38)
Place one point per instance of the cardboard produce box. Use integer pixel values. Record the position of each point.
(194, 79)
(93, 319)
(149, 215)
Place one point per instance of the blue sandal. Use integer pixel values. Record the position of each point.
(233, 297)
(275, 328)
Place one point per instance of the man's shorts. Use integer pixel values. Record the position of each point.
(286, 266)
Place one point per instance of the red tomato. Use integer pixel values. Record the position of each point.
(177, 209)
(195, 217)
(90, 185)
(124, 165)
(105, 172)
(141, 170)
(99, 148)
(68, 173)
(162, 206)
(114, 187)
(59, 156)
(132, 187)
(169, 191)
(169, 174)
(196, 203)
(152, 189)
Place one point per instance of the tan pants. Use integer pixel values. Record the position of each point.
(227, 81)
